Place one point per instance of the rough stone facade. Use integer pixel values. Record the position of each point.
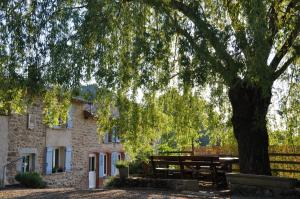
(21, 137)
(82, 136)
(3, 144)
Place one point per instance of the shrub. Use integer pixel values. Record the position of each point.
(122, 164)
(136, 167)
(115, 182)
(31, 180)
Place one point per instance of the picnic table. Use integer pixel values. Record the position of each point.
(195, 167)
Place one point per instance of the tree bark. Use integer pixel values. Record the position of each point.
(250, 106)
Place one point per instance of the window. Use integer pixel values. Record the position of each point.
(68, 123)
(105, 165)
(28, 163)
(58, 159)
(115, 135)
(115, 157)
(31, 121)
(112, 137)
(59, 125)
(92, 163)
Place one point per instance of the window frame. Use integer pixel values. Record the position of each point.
(105, 164)
(57, 158)
(27, 163)
(31, 121)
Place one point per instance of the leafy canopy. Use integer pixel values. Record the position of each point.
(147, 45)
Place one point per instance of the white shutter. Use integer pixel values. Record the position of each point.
(20, 165)
(70, 117)
(68, 162)
(101, 165)
(114, 157)
(49, 156)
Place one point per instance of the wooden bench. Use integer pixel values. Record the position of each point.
(187, 167)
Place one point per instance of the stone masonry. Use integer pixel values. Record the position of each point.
(3, 144)
(82, 136)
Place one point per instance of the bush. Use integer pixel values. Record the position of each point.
(122, 164)
(115, 182)
(136, 167)
(31, 180)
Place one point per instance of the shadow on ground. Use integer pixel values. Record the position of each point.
(103, 194)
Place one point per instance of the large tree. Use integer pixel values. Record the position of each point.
(150, 44)
(246, 44)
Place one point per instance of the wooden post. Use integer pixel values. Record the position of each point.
(193, 152)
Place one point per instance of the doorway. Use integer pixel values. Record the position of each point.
(92, 171)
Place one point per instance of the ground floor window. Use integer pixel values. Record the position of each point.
(58, 159)
(105, 164)
(28, 163)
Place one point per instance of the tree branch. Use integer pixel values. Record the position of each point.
(256, 16)
(272, 23)
(286, 46)
(240, 33)
(291, 6)
(203, 27)
(206, 29)
(218, 66)
(283, 67)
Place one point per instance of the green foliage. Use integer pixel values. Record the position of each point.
(136, 167)
(31, 180)
(148, 46)
(12, 101)
(122, 164)
(166, 122)
(56, 105)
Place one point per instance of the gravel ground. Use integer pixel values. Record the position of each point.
(70, 193)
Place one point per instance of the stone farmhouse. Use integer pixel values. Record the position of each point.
(67, 155)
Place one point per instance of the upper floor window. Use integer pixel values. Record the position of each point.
(69, 120)
(112, 137)
(31, 121)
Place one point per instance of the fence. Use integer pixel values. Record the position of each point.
(284, 160)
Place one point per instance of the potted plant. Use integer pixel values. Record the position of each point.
(122, 166)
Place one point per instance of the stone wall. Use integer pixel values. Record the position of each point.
(244, 186)
(84, 141)
(20, 137)
(3, 143)
(83, 138)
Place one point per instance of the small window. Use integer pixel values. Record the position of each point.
(28, 163)
(31, 121)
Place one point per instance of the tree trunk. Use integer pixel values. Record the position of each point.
(250, 106)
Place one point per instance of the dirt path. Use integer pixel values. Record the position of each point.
(70, 193)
